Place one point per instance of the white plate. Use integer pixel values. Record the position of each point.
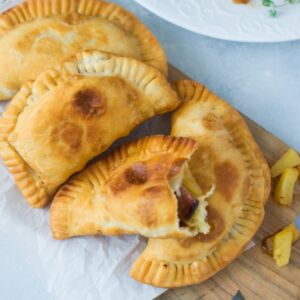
(225, 20)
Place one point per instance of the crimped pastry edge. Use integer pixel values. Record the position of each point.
(101, 171)
(169, 274)
(152, 52)
(143, 76)
(32, 188)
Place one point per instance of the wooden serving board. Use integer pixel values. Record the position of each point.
(254, 273)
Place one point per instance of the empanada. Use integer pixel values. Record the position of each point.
(138, 189)
(39, 34)
(72, 113)
(228, 158)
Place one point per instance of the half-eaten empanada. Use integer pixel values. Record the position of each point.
(227, 158)
(142, 188)
(72, 113)
(39, 34)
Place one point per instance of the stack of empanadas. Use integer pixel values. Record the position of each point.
(84, 73)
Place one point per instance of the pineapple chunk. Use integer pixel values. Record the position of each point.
(293, 229)
(190, 183)
(268, 242)
(284, 190)
(282, 244)
(289, 160)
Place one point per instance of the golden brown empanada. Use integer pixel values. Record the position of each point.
(138, 189)
(39, 34)
(72, 113)
(228, 158)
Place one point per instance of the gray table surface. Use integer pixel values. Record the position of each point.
(261, 80)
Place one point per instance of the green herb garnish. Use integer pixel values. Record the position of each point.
(274, 6)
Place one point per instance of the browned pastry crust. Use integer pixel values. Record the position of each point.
(229, 158)
(128, 192)
(72, 113)
(39, 34)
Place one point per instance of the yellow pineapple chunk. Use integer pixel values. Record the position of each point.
(268, 242)
(293, 229)
(190, 183)
(289, 160)
(282, 244)
(284, 190)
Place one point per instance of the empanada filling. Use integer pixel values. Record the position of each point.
(192, 202)
(187, 205)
